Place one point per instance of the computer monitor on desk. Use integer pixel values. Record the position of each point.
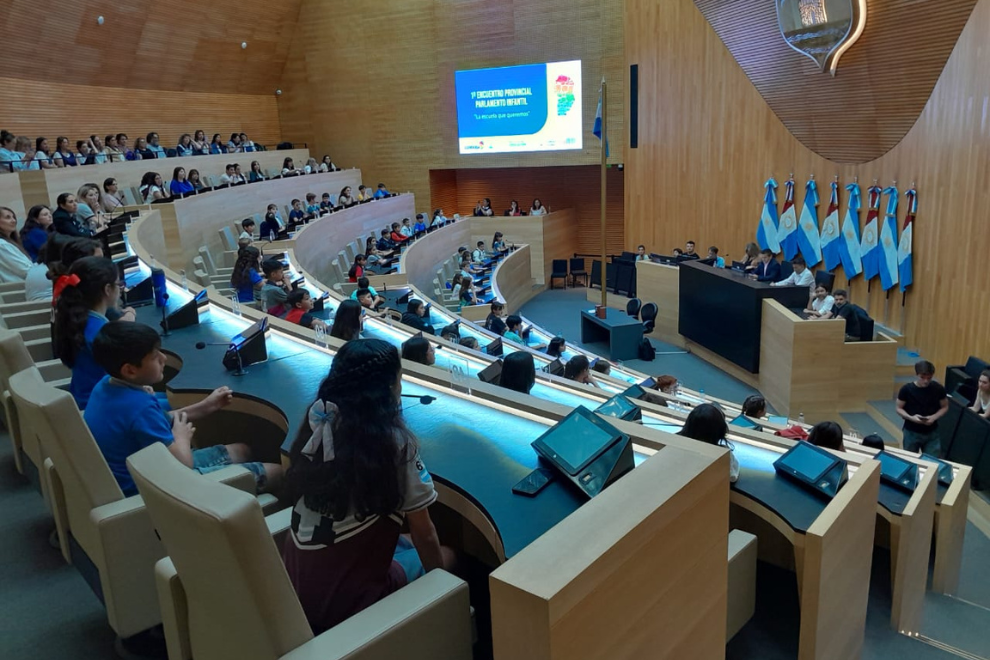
(664, 259)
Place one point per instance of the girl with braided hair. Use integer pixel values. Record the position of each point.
(355, 473)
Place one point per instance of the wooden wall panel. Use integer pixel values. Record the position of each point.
(882, 83)
(51, 109)
(183, 45)
(704, 157)
(558, 188)
(10, 195)
(391, 110)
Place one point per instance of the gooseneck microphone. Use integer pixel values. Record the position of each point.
(203, 344)
(200, 345)
(424, 399)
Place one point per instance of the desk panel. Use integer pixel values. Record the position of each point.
(43, 187)
(11, 196)
(660, 284)
(512, 281)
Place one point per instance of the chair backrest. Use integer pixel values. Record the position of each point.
(649, 312)
(227, 238)
(786, 268)
(558, 267)
(632, 307)
(351, 252)
(975, 366)
(340, 272)
(14, 356)
(211, 267)
(596, 272)
(826, 278)
(241, 603)
(52, 415)
(129, 197)
(866, 328)
(577, 264)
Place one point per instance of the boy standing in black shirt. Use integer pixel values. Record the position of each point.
(921, 404)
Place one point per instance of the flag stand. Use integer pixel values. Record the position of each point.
(604, 144)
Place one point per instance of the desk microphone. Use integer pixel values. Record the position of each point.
(240, 371)
(424, 399)
(200, 345)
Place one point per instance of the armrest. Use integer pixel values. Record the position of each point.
(236, 476)
(175, 610)
(430, 618)
(127, 549)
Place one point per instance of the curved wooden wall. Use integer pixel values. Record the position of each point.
(703, 159)
(881, 85)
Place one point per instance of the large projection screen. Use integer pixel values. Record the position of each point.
(531, 107)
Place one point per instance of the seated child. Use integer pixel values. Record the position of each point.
(276, 289)
(312, 208)
(299, 305)
(125, 416)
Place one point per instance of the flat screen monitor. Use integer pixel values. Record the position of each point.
(635, 392)
(777, 419)
(945, 475)
(555, 368)
(620, 407)
(743, 422)
(530, 107)
(814, 468)
(576, 441)
(492, 373)
(897, 471)
(649, 383)
(494, 348)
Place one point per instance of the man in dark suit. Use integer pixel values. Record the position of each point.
(768, 270)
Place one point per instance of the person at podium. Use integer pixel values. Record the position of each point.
(768, 270)
(800, 277)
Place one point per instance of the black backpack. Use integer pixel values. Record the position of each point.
(646, 351)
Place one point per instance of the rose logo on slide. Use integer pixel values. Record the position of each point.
(565, 95)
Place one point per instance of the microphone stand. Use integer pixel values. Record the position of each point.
(240, 365)
(165, 330)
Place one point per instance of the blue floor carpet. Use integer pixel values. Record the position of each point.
(559, 311)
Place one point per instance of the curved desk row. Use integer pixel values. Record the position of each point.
(477, 450)
(44, 186)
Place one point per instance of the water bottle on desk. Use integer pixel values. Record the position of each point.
(235, 305)
(801, 418)
(321, 335)
(185, 281)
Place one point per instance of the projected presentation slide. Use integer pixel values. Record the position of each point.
(532, 107)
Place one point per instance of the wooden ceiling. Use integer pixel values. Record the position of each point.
(882, 85)
(182, 45)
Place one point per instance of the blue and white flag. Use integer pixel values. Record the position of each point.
(905, 265)
(597, 130)
(830, 231)
(787, 231)
(870, 247)
(849, 250)
(888, 241)
(809, 237)
(766, 233)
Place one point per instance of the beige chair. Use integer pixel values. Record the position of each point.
(14, 358)
(108, 537)
(225, 593)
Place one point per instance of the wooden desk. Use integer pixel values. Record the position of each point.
(551, 236)
(660, 284)
(44, 186)
(808, 366)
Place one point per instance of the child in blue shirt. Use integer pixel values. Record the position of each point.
(125, 416)
(80, 312)
(297, 215)
(420, 223)
(246, 278)
(312, 208)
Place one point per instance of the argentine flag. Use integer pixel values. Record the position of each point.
(766, 233)
(848, 244)
(597, 130)
(808, 237)
(905, 266)
(870, 247)
(888, 242)
(787, 232)
(830, 231)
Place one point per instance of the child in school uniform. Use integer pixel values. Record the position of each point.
(125, 416)
(299, 305)
(276, 288)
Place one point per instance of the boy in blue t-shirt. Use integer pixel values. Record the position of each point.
(125, 416)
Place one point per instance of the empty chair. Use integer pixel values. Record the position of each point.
(648, 314)
(577, 270)
(228, 239)
(632, 307)
(558, 271)
(786, 268)
(826, 278)
(596, 273)
(351, 251)
(225, 592)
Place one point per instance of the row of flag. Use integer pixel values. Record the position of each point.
(877, 251)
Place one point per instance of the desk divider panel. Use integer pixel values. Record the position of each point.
(11, 195)
(551, 236)
(513, 279)
(910, 549)
(834, 570)
(640, 571)
(660, 284)
(44, 186)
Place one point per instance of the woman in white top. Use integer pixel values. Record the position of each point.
(45, 160)
(152, 187)
(328, 165)
(981, 406)
(14, 262)
(538, 208)
(821, 304)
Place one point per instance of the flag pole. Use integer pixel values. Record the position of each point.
(604, 143)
